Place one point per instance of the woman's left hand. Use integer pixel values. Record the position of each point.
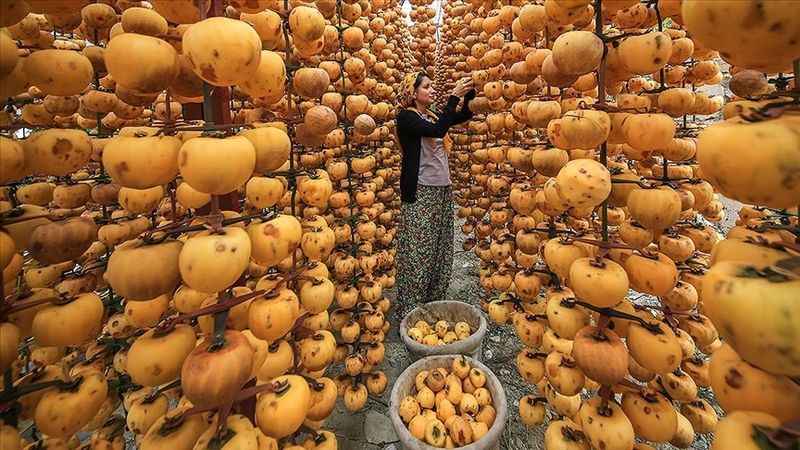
(462, 86)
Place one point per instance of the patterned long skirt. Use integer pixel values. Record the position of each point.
(425, 248)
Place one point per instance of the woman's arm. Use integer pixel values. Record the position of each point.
(409, 122)
(465, 113)
(450, 107)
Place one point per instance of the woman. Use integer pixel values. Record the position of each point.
(425, 248)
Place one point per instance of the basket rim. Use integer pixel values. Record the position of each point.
(471, 343)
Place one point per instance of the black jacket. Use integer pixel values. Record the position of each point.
(411, 128)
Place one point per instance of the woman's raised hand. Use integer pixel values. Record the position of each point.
(462, 86)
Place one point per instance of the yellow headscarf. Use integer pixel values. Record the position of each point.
(407, 91)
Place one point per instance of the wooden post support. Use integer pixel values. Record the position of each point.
(217, 110)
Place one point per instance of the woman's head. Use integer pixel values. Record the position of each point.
(416, 90)
(423, 92)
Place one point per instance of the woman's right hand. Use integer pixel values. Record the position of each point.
(462, 86)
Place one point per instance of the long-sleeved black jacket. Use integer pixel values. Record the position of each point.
(411, 128)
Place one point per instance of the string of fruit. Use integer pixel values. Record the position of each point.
(362, 324)
(423, 34)
(581, 200)
(205, 313)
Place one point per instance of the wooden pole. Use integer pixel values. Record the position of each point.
(601, 100)
(216, 100)
(216, 107)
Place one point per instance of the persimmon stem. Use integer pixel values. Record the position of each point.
(152, 396)
(606, 395)
(220, 319)
(175, 229)
(261, 389)
(573, 434)
(612, 313)
(7, 219)
(630, 384)
(223, 434)
(12, 308)
(14, 393)
(602, 324)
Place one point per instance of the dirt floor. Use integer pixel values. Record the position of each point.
(371, 428)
